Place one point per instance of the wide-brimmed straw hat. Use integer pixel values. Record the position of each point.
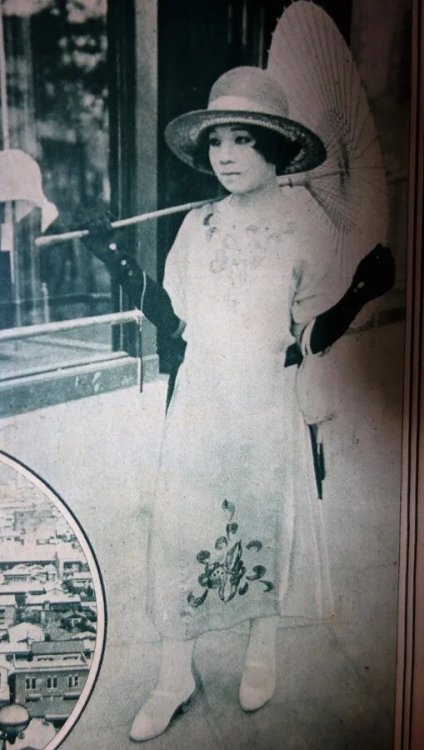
(245, 96)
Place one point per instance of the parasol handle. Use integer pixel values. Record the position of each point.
(302, 180)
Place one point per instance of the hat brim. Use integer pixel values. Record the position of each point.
(182, 136)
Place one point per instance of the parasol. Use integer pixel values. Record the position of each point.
(348, 192)
(311, 60)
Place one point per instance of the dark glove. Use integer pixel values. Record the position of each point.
(142, 291)
(374, 275)
(293, 356)
(101, 240)
(157, 307)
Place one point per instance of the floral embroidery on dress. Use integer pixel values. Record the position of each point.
(235, 253)
(228, 575)
(238, 258)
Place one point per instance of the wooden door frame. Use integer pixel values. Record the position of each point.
(409, 716)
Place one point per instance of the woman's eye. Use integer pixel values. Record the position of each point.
(243, 139)
(214, 141)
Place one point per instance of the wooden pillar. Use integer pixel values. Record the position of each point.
(132, 32)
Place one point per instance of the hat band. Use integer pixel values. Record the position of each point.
(244, 104)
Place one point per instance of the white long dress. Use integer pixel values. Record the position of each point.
(237, 529)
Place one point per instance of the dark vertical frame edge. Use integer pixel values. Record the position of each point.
(409, 717)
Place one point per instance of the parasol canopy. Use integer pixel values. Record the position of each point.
(309, 56)
(348, 192)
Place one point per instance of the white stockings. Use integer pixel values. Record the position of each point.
(176, 683)
(174, 687)
(259, 674)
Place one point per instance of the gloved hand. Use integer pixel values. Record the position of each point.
(101, 240)
(142, 291)
(374, 275)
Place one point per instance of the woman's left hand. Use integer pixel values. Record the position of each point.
(374, 275)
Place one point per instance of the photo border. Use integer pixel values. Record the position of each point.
(409, 717)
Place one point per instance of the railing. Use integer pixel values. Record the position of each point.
(42, 329)
(45, 382)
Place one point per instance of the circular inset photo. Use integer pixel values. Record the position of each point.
(52, 613)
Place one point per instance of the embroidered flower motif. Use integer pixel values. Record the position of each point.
(220, 262)
(238, 255)
(228, 576)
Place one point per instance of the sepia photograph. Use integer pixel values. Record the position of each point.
(210, 325)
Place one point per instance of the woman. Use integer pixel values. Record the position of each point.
(237, 532)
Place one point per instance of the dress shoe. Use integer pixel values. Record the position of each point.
(157, 713)
(257, 685)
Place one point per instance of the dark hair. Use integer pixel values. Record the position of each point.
(271, 145)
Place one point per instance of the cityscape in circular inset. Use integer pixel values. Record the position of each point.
(52, 614)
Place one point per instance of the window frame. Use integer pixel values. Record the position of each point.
(120, 367)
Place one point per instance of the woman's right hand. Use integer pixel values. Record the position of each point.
(101, 238)
(122, 266)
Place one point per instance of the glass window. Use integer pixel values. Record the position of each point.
(54, 110)
(54, 152)
(30, 683)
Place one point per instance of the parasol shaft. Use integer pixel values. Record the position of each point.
(296, 180)
(80, 233)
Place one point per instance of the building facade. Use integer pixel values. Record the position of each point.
(50, 681)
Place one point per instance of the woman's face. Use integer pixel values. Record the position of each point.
(237, 164)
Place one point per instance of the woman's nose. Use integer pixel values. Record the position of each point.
(226, 152)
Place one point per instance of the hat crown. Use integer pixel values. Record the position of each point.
(249, 89)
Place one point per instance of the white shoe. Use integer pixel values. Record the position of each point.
(157, 713)
(257, 685)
